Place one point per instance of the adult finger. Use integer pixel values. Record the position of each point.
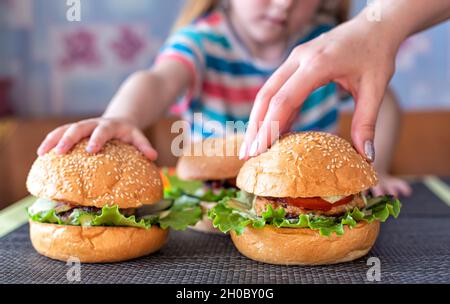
(368, 101)
(286, 103)
(265, 94)
(74, 134)
(51, 140)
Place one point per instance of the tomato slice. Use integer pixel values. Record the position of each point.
(315, 203)
(165, 180)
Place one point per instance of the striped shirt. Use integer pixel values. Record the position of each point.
(227, 78)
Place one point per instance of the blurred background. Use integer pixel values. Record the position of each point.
(53, 71)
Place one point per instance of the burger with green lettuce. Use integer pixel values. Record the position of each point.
(304, 202)
(207, 172)
(102, 207)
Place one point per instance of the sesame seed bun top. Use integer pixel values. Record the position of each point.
(307, 164)
(219, 159)
(117, 175)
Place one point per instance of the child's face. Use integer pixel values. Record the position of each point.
(271, 21)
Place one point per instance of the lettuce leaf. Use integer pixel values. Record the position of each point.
(79, 217)
(47, 216)
(111, 216)
(236, 213)
(209, 195)
(183, 212)
(194, 188)
(177, 187)
(226, 219)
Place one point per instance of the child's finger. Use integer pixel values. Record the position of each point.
(51, 140)
(74, 134)
(367, 106)
(259, 109)
(391, 189)
(403, 187)
(377, 190)
(283, 105)
(141, 142)
(101, 134)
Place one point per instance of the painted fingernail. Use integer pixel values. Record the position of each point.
(254, 148)
(369, 150)
(243, 150)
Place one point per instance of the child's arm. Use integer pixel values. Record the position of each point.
(387, 132)
(139, 102)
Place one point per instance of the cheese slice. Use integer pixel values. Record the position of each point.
(332, 199)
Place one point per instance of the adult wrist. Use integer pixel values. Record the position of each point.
(382, 23)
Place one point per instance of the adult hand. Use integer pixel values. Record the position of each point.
(359, 57)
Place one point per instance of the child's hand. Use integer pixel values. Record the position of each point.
(388, 184)
(100, 130)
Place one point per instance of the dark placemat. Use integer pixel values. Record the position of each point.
(423, 203)
(412, 249)
(446, 180)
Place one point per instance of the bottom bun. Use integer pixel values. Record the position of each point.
(95, 244)
(289, 246)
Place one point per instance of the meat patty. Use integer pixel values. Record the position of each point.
(221, 183)
(65, 210)
(292, 211)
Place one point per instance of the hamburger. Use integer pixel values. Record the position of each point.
(207, 176)
(303, 202)
(103, 207)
